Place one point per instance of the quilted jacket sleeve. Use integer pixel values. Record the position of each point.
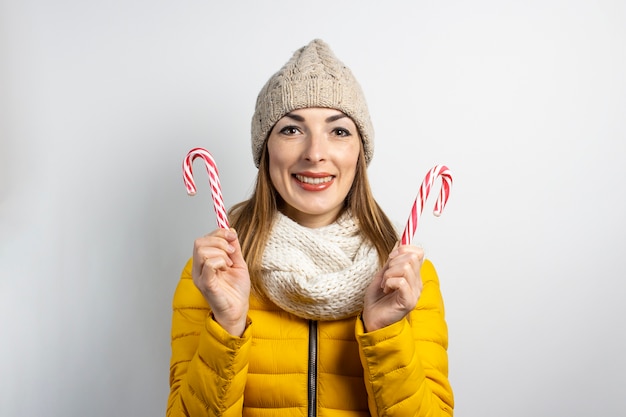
(208, 366)
(406, 364)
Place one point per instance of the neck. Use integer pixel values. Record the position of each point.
(312, 221)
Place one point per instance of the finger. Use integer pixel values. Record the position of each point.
(219, 238)
(394, 283)
(210, 246)
(208, 267)
(404, 274)
(407, 254)
(405, 296)
(235, 253)
(215, 258)
(211, 266)
(208, 279)
(403, 266)
(406, 249)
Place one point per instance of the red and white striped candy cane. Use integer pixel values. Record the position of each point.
(422, 195)
(214, 181)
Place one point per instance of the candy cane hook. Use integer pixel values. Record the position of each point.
(422, 195)
(214, 181)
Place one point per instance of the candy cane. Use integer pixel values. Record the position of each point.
(422, 195)
(214, 181)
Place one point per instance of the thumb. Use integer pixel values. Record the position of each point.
(393, 253)
(237, 255)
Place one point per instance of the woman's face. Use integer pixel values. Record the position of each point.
(313, 154)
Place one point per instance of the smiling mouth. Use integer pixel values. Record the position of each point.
(314, 181)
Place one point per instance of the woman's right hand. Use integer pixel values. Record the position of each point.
(221, 274)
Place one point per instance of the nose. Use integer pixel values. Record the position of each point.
(316, 147)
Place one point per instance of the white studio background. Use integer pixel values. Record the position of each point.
(525, 101)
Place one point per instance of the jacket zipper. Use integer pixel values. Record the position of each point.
(312, 384)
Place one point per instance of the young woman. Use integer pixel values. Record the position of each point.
(308, 306)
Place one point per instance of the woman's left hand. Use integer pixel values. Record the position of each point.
(395, 290)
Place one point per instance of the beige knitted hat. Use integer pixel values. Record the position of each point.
(313, 77)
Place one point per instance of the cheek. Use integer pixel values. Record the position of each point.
(277, 165)
(352, 159)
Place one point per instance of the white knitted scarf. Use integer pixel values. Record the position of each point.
(318, 274)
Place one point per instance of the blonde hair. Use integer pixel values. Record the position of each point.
(253, 218)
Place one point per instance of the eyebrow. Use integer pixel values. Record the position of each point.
(332, 118)
(335, 117)
(295, 117)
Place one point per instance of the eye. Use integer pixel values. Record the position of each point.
(340, 131)
(289, 130)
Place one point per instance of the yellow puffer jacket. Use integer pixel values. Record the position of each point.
(287, 366)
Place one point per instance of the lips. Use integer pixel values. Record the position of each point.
(314, 181)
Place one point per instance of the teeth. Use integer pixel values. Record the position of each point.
(310, 180)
